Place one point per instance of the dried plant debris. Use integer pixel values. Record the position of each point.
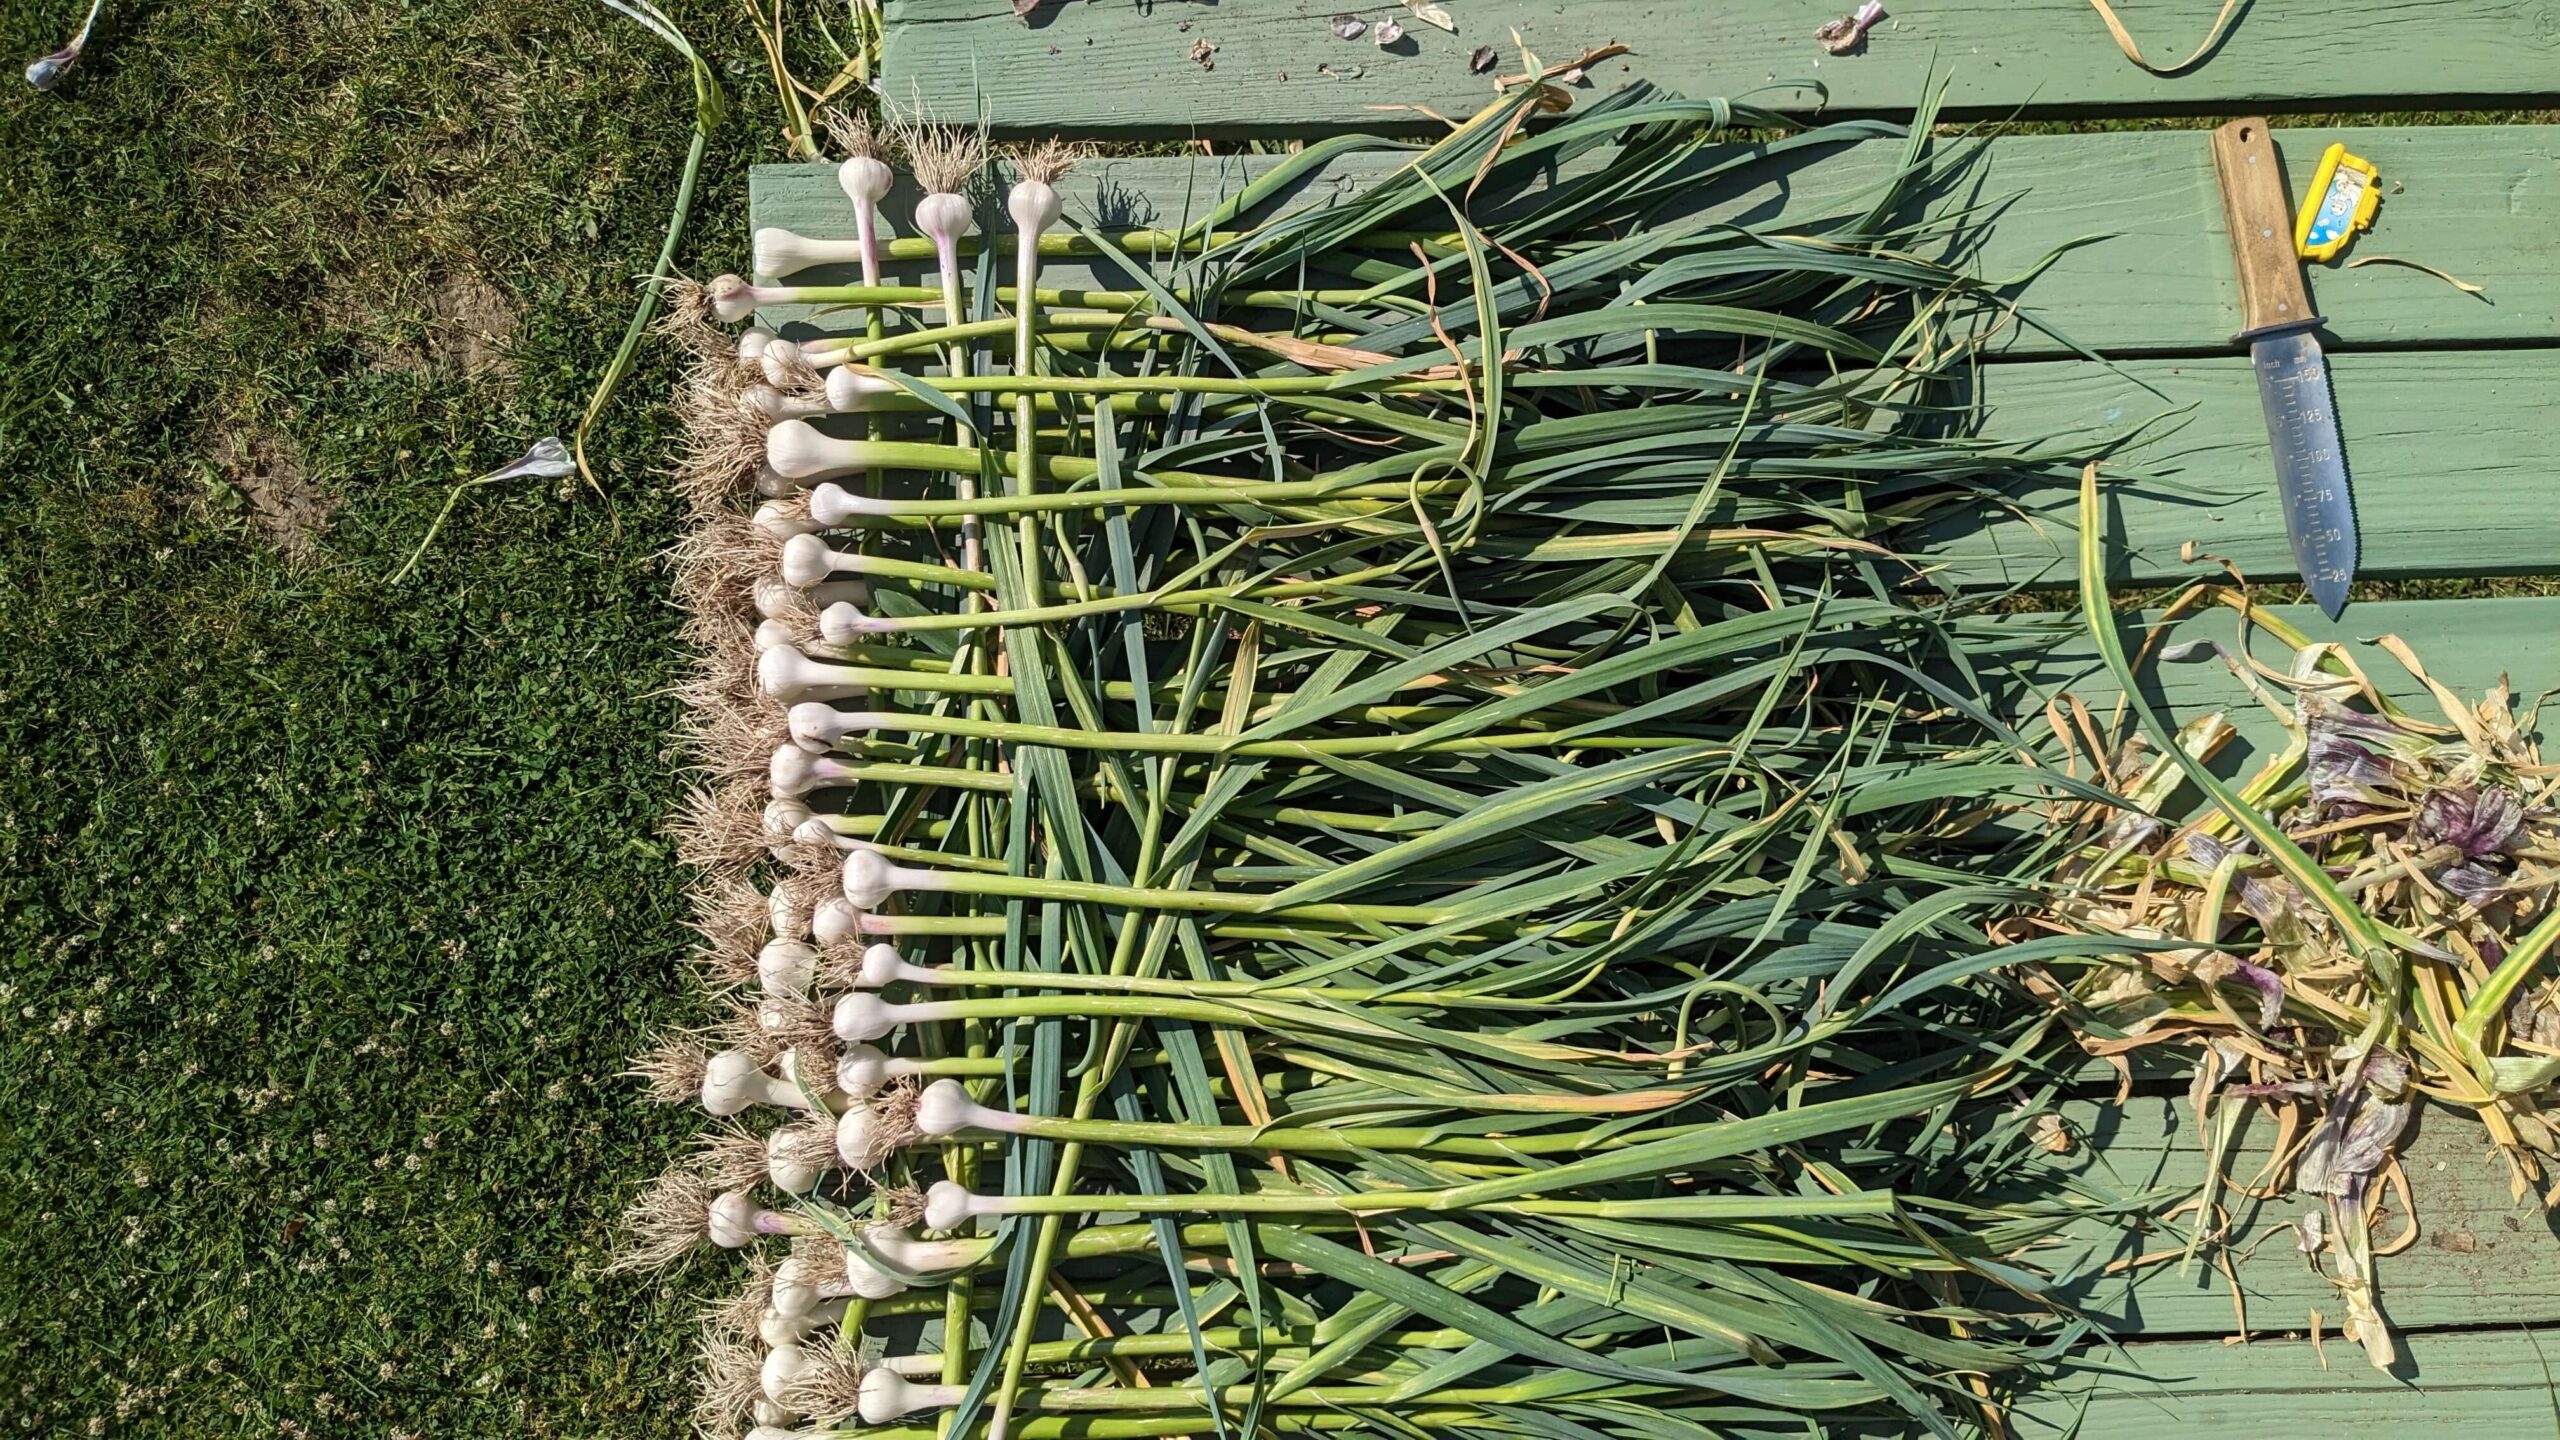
(1431, 14)
(1847, 35)
(2402, 954)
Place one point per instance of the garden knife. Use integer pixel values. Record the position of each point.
(2293, 377)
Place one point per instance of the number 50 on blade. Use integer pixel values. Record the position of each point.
(2293, 376)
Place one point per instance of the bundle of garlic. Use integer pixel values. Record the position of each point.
(1353, 831)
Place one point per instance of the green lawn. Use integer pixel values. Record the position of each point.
(328, 910)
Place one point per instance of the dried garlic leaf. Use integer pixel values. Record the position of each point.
(1431, 14)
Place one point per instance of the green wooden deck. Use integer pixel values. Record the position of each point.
(1112, 67)
(2447, 401)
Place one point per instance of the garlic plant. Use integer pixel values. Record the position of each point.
(1368, 822)
(2365, 919)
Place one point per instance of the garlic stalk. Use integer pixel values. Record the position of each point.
(863, 1069)
(945, 159)
(888, 1395)
(865, 178)
(1033, 203)
(792, 677)
(780, 252)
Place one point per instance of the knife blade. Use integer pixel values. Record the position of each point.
(2293, 376)
(2311, 465)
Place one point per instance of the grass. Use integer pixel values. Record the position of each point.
(328, 911)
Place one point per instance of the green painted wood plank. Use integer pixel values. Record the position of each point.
(2479, 202)
(2482, 1257)
(2486, 1385)
(2444, 449)
(1107, 67)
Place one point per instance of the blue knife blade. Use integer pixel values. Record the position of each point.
(2311, 462)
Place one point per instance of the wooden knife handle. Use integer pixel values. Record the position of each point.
(2260, 218)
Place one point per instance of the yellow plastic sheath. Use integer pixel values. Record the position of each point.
(2339, 203)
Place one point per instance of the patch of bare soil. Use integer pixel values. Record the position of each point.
(288, 508)
(470, 324)
(455, 324)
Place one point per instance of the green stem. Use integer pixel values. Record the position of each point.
(1160, 743)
